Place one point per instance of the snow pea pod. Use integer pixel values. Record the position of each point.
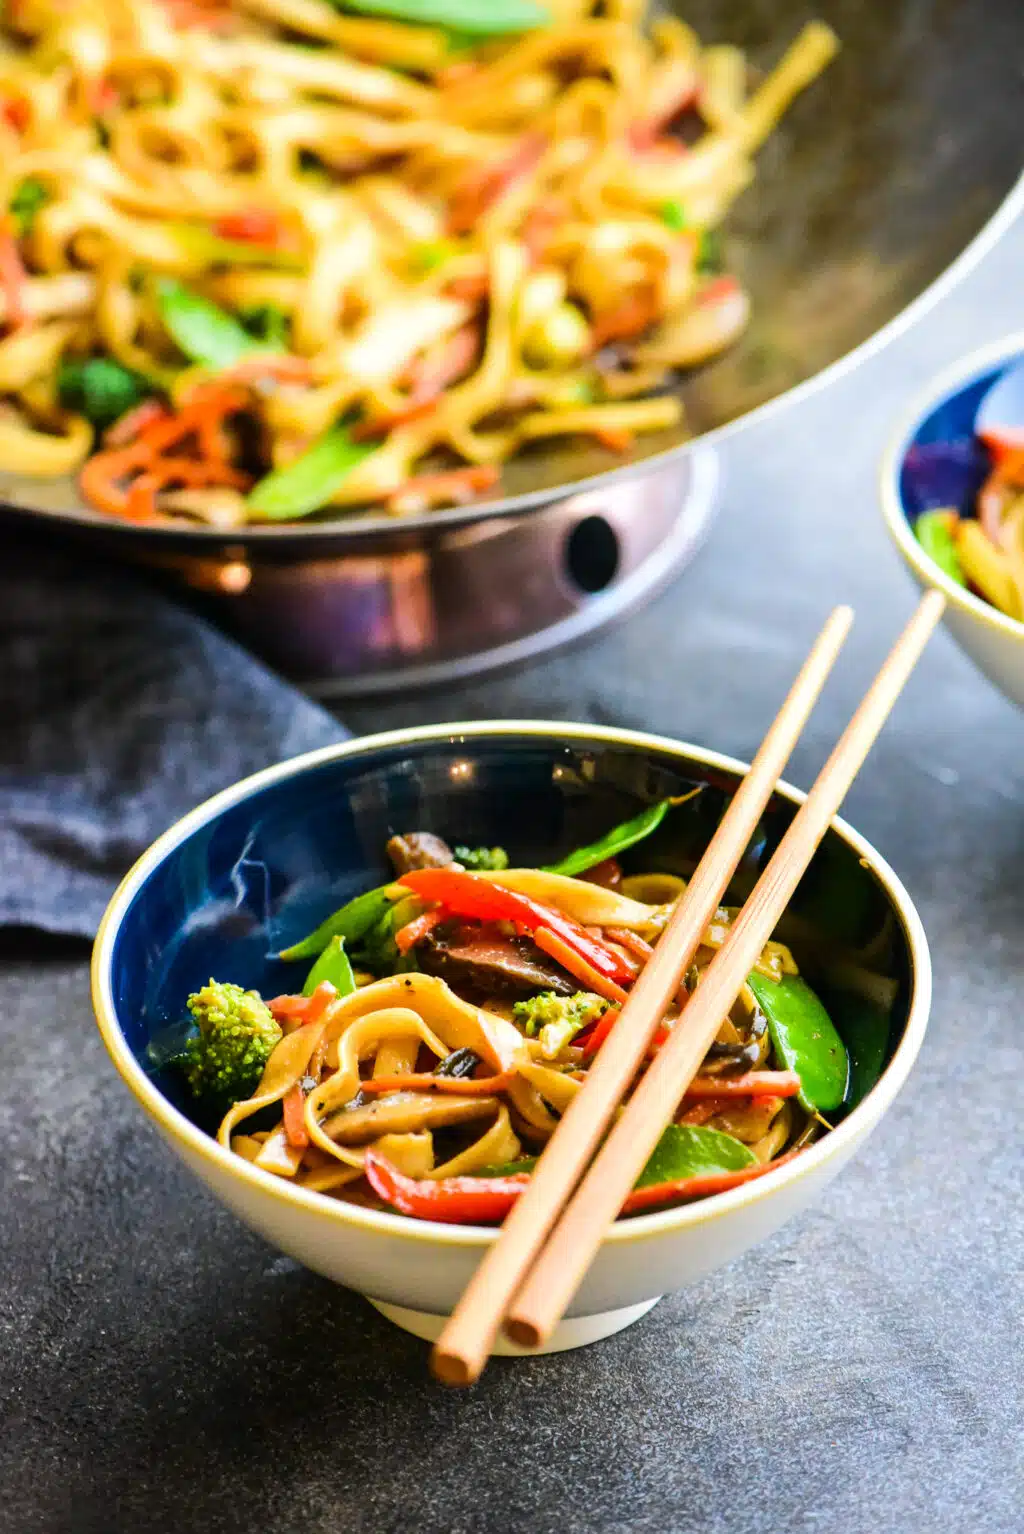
(206, 333)
(804, 1039)
(351, 922)
(684, 1150)
(334, 966)
(864, 1029)
(618, 839)
(477, 18)
(307, 484)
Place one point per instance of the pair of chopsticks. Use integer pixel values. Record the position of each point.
(529, 1276)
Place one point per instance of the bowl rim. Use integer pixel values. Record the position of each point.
(951, 381)
(192, 1142)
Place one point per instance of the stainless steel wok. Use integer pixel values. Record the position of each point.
(900, 165)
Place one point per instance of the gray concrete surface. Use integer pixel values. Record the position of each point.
(163, 1370)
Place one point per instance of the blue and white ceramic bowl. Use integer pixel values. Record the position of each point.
(934, 460)
(258, 865)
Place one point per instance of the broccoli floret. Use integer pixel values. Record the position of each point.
(482, 859)
(224, 1061)
(558, 1019)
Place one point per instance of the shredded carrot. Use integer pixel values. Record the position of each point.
(701, 1111)
(631, 941)
(484, 188)
(630, 318)
(416, 930)
(472, 1086)
(284, 367)
(12, 274)
(459, 486)
(540, 224)
(614, 439)
(471, 288)
(293, 1112)
(18, 113)
(427, 378)
(128, 427)
(253, 226)
(551, 944)
(306, 1009)
(99, 479)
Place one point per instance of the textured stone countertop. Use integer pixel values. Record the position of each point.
(164, 1370)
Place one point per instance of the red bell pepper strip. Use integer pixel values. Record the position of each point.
(466, 894)
(630, 318)
(451, 1200)
(596, 1036)
(17, 112)
(1003, 442)
(487, 1200)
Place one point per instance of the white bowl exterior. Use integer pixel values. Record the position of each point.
(998, 654)
(431, 1276)
(411, 1264)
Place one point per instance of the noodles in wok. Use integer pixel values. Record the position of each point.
(262, 258)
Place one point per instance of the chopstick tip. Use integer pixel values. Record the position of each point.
(452, 1369)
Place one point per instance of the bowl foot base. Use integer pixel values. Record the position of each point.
(577, 1332)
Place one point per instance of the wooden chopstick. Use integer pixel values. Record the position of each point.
(465, 1343)
(562, 1264)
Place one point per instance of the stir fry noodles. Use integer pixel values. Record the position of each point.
(447, 1019)
(983, 549)
(266, 257)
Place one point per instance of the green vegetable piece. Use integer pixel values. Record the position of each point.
(377, 949)
(307, 484)
(29, 196)
(507, 1168)
(100, 389)
(478, 18)
(333, 965)
(686, 1150)
(488, 859)
(673, 215)
(351, 921)
(237, 1034)
(558, 1019)
(618, 839)
(804, 1039)
(204, 332)
(935, 536)
(864, 1029)
(709, 252)
(431, 254)
(268, 323)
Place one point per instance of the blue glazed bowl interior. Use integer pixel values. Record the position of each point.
(263, 871)
(944, 463)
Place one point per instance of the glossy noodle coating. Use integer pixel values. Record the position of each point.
(263, 260)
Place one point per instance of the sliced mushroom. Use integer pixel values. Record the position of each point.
(419, 849)
(405, 1113)
(485, 961)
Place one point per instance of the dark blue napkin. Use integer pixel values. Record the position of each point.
(119, 711)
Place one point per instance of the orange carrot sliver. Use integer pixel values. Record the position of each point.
(293, 1109)
(416, 930)
(551, 944)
